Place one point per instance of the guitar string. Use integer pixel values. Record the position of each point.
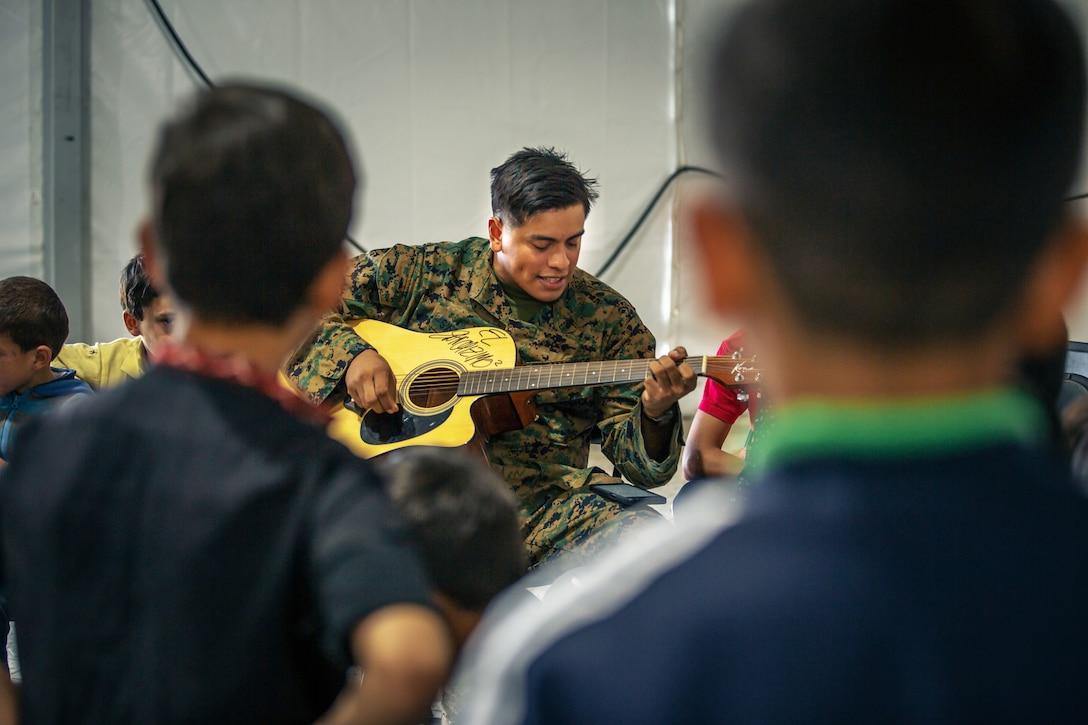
(575, 368)
(448, 379)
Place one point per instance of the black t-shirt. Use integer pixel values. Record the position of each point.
(182, 549)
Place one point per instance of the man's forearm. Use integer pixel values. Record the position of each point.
(659, 433)
(317, 367)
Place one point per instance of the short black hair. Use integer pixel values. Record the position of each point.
(463, 521)
(31, 314)
(540, 179)
(137, 292)
(253, 191)
(901, 162)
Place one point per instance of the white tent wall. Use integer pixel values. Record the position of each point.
(20, 138)
(699, 18)
(433, 94)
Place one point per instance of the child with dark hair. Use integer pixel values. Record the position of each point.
(149, 318)
(894, 237)
(464, 523)
(33, 326)
(202, 551)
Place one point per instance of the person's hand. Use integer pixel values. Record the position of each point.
(371, 383)
(669, 379)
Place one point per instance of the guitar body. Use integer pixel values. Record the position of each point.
(461, 387)
(428, 367)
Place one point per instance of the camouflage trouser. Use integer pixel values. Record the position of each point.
(574, 525)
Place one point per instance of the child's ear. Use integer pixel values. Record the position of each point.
(723, 240)
(131, 323)
(43, 355)
(327, 289)
(1054, 280)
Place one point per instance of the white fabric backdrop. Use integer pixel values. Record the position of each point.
(433, 94)
(20, 138)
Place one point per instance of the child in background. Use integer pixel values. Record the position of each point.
(464, 523)
(33, 326)
(149, 318)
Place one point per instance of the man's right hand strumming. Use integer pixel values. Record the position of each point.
(371, 383)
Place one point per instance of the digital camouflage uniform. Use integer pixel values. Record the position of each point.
(451, 286)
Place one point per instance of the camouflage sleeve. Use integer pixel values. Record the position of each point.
(374, 286)
(620, 411)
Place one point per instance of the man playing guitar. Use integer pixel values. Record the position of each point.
(523, 279)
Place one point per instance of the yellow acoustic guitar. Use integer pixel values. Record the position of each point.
(460, 388)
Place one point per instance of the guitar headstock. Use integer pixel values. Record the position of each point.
(733, 371)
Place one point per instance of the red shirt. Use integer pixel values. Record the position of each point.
(722, 402)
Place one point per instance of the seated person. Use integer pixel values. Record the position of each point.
(704, 462)
(202, 551)
(463, 521)
(149, 318)
(524, 278)
(33, 326)
(718, 411)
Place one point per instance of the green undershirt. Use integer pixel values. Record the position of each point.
(524, 305)
(823, 428)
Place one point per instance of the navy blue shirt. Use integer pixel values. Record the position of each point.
(181, 549)
(934, 573)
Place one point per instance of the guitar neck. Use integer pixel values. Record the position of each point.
(727, 370)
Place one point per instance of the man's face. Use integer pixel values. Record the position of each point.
(16, 366)
(158, 322)
(541, 255)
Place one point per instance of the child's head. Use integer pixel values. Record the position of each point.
(33, 327)
(147, 313)
(464, 522)
(252, 193)
(901, 165)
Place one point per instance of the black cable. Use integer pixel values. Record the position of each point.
(649, 208)
(188, 59)
(178, 45)
(653, 202)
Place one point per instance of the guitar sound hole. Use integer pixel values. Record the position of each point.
(433, 387)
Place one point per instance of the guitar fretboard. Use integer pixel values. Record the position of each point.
(725, 369)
